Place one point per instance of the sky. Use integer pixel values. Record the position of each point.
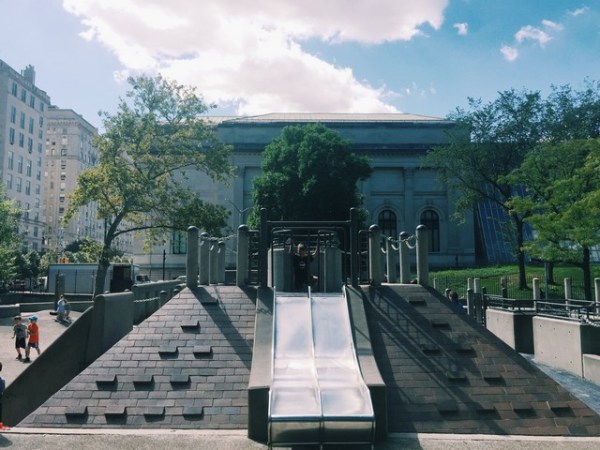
(255, 57)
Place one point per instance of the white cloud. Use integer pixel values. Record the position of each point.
(509, 53)
(462, 28)
(579, 11)
(531, 33)
(250, 54)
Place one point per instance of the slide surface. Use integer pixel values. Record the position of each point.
(317, 393)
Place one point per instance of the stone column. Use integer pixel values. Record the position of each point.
(422, 250)
(241, 276)
(404, 258)
(390, 260)
(375, 272)
(204, 258)
(192, 258)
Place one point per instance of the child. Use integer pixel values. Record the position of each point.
(33, 332)
(20, 335)
(62, 309)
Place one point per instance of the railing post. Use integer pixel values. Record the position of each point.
(504, 287)
(390, 261)
(471, 302)
(204, 259)
(375, 272)
(404, 258)
(422, 250)
(241, 274)
(191, 271)
(536, 292)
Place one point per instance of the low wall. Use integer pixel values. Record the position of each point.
(515, 328)
(562, 343)
(591, 368)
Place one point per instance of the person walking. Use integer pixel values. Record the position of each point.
(20, 336)
(33, 331)
(2, 386)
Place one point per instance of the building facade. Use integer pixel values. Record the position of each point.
(399, 195)
(69, 151)
(22, 133)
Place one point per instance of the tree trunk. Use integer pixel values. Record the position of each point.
(520, 253)
(103, 265)
(587, 273)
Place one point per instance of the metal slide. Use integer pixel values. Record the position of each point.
(317, 394)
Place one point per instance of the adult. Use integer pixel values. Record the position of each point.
(302, 260)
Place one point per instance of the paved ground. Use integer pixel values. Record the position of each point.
(49, 331)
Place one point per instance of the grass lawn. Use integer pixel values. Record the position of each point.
(491, 279)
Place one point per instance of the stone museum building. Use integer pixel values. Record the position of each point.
(400, 194)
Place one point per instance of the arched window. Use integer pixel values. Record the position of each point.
(431, 220)
(387, 223)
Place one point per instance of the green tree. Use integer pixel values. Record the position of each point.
(148, 152)
(562, 183)
(88, 250)
(9, 237)
(309, 173)
(491, 140)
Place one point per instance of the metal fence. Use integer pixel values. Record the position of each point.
(493, 285)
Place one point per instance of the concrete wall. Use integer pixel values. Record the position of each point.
(591, 368)
(515, 328)
(561, 343)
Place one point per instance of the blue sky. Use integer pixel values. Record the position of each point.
(424, 57)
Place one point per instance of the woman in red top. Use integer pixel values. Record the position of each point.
(33, 331)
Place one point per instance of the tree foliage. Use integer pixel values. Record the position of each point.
(562, 184)
(490, 140)
(309, 173)
(148, 154)
(9, 237)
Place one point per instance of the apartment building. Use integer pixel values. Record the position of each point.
(69, 151)
(22, 132)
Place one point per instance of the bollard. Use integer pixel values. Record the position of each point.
(470, 302)
(422, 250)
(204, 259)
(477, 285)
(192, 258)
(404, 258)
(390, 261)
(243, 244)
(567, 284)
(375, 272)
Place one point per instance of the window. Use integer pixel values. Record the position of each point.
(11, 157)
(31, 100)
(23, 95)
(179, 243)
(63, 176)
(14, 89)
(9, 181)
(61, 198)
(13, 114)
(28, 168)
(20, 164)
(63, 152)
(31, 124)
(41, 122)
(22, 120)
(28, 187)
(63, 164)
(387, 223)
(11, 136)
(431, 220)
(29, 145)
(19, 184)
(38, 189)
(21, 140)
